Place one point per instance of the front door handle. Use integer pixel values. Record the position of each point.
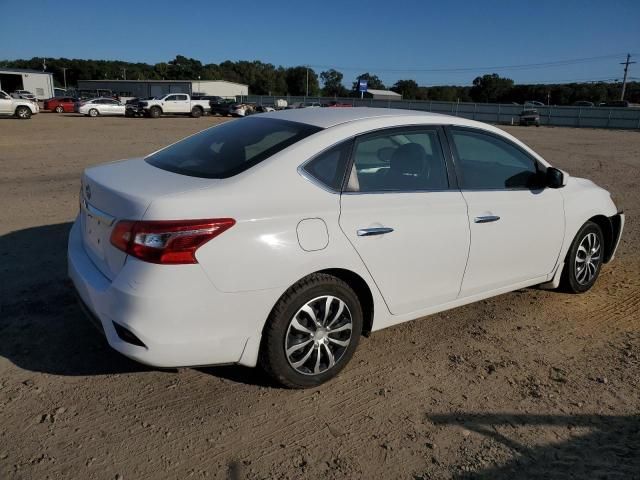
(367, 232)
(486, 219)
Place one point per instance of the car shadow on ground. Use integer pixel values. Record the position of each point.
(42, 328)
(598, 446)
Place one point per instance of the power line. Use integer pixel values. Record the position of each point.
(524, 66)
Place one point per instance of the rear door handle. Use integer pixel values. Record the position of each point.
(486, 219)
(367, 232)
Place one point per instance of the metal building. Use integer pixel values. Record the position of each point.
(157, 88)
(37, 82)
(382, 95)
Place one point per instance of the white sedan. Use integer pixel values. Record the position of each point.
(100, 106)
(280, 239)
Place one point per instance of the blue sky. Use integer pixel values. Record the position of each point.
(354, 36)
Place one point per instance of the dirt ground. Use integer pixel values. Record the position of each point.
(531, 384)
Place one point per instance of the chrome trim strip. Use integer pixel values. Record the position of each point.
(96, 213)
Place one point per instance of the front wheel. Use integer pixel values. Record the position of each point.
(584, 259)
(312, 332)
(59, 109)
(93, 112)
(23, 113)
(155, 112)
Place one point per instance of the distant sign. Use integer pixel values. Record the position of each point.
(362, 85)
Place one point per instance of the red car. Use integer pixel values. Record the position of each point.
(60, 104)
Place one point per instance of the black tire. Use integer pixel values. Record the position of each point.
(23, 113)
(93, 112)
(196, 112)
(155, 112)
(277, 332)
(59, 109)
(574, 278)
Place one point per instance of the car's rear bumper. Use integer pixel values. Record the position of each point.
(167, 315)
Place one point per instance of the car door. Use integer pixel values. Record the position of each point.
(169, 104)
(182, 104)
(5, 103)
(517, 225)
(405, 218)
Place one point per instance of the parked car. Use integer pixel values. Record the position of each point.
(17, 107)
(616, 104)
(336, 104)
(210, 98)
(280, 239)
(583, 103)
(25, 95)
(241, 109)
(220, 107)
(311, 105)
(174, 104)
(534, 103)
(133, 107)
(530, 117)
(295, 105)
(60, 104)
(99, 106)
(263, 109)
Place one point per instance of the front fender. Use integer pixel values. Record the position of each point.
(583, 201)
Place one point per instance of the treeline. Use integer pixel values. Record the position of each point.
(268, 79)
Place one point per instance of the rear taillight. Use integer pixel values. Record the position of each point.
(167, 242)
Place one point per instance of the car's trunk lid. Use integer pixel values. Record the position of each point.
(122, 191)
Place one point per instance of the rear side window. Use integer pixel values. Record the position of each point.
(398, 161)
(230, 148)
(328, 168)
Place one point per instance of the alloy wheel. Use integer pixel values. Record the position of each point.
(588, 258)
(318, 335)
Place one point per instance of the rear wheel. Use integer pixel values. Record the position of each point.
(93, 112)
(584, 259)
(196, 112)
(23, 112)
(59, 109)
(312, 332)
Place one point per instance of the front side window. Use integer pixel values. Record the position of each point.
(398, 161)
(328, 168)
(230, 148)
(486, 162)
(170, 98)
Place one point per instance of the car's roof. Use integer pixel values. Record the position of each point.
(329, 117)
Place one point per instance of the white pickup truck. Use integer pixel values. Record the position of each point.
(17, 107)
(174, 104)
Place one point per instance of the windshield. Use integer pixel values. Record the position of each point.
(230, 148)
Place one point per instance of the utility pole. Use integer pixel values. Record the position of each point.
(64, 74)
(626, 69)
(307, 81)
(124, 73)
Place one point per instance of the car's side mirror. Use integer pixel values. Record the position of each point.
(555, 178)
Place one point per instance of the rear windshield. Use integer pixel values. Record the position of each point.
(230, 148)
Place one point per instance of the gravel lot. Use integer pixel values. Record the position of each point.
(531, 384)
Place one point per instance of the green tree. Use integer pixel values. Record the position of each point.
(491, 88)
(296, 78)
(409, 89)
(332, 84)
